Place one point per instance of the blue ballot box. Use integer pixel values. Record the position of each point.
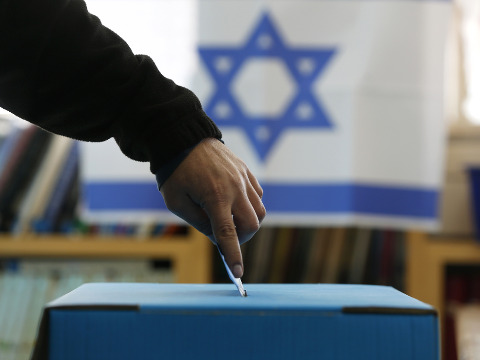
(177, 321)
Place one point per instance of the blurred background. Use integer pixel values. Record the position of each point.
(360, 119)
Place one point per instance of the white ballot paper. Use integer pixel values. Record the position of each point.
(236, 281)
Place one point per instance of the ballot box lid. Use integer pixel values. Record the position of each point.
(297, 297)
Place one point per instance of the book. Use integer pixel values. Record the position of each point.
(399, 261)
(5, 291)
(360, 255)
(19, 311)
(372, 269)
(19, 170)
(41, 290)
(8, 145)
(281, 254)
(261, 249)
(12, 156)
(300, 248)
(387, 257)
(346, 255)
(333, 260)
(47, 217)
(44, 183)
(316, 257)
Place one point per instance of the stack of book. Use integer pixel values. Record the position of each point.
(40, 188)
(38, 179)
(28, 285)
(325, 255)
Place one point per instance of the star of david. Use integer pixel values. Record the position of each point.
(301, 110)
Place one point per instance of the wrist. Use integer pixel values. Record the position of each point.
(167, 169)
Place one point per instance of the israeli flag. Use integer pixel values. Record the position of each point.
(336, 106)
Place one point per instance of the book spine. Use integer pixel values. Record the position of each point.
(62, 187)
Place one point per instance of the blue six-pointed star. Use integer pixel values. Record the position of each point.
(302, 110)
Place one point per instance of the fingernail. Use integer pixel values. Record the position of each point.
(237, 271)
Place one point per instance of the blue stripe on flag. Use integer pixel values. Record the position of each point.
(353, 198)
(122, 196)
(291, 198)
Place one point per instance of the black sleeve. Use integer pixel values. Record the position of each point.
(62, 70)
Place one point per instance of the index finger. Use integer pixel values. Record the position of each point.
(226, 237)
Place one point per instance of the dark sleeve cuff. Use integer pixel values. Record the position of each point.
(166, 170)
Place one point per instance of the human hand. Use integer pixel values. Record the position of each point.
(215, 192)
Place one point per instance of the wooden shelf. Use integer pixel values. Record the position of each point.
(426, 260)
(191, 255)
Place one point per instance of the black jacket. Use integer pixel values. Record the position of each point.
(62, 70)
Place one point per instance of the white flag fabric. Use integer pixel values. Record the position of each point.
(336, 106)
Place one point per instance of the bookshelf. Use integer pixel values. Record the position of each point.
(426, 261)
(51, 265)
(191, 254)
(428, 278)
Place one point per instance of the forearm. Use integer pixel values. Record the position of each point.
(62, 70)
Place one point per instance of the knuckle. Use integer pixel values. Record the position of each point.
(239, 179)
(248, 225)
(225, 231)
(252, 227)
(261, 213)
(244, 167)
(260, 192)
